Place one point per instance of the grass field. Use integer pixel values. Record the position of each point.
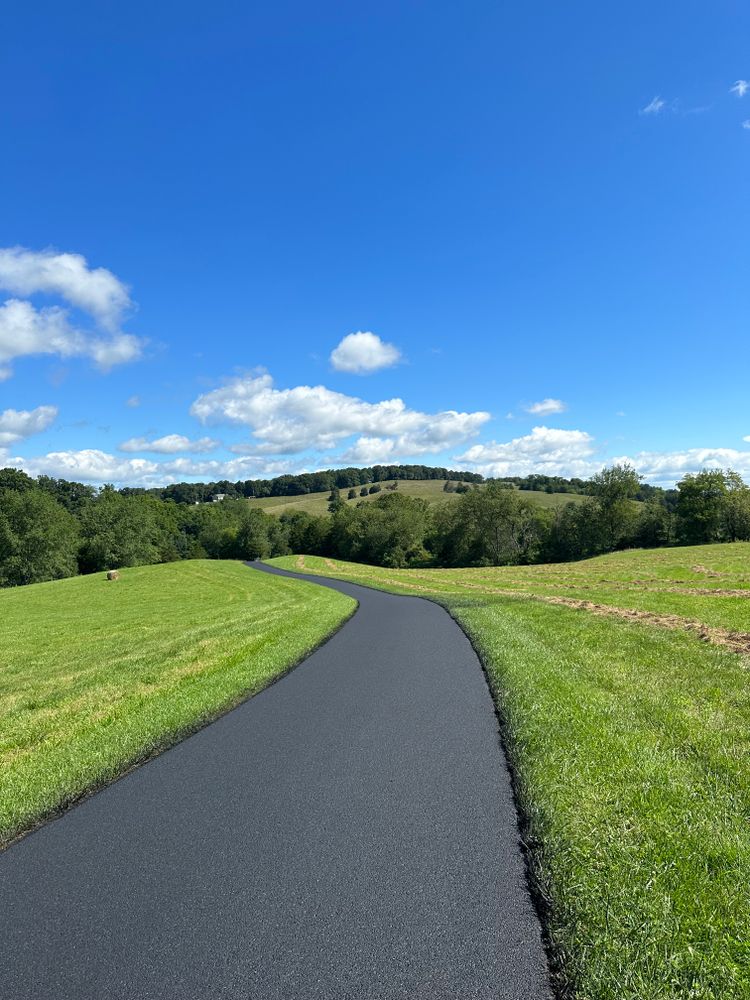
(95, 675)
(630, 739)
(430, 490)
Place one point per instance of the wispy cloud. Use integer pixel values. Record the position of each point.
(654, 107)
(740, 88)
(546, 406)
(170, 444)
(746, 123)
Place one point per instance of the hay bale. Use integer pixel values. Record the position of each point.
(113, 574)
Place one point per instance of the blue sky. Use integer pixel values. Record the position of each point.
(537, 214)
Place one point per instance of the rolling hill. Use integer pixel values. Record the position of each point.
(430, 490)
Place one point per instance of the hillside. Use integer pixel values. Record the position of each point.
(96, 675)
(430, 490)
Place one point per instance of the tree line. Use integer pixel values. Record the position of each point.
(299, 485)
(52, 528)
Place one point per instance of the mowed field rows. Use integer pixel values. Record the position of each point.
(430, 490)
(622, 685)
(95, 676)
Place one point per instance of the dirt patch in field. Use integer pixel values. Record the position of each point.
(300, 562)
(738, 642)
(705, 571)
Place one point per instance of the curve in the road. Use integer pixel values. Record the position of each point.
(348, 832)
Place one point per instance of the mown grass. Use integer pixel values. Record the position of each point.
(430, 490)
(95, 676)
(630, 744)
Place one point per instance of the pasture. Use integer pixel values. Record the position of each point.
(430, 490)
(96, 676)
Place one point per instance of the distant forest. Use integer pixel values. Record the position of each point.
(305, 482)
(53, 528)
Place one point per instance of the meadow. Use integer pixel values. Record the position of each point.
(96, 676)
(430, 490)
(622, 688)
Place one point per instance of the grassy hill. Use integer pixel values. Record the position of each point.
(622, 683)
(96, 675)
(430, 490)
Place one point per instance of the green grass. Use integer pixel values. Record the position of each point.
(95, 676)
(430, 490)
(630, 743)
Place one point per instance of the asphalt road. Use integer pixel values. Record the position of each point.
(349, 832)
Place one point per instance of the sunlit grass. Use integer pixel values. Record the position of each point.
(630, 743)
(97, 675)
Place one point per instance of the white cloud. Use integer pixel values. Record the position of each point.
(26, 329)
(170, 444)
(89, 466)
(288, 421)
(654, 106)
(740, 88)
(133, 402)
(545, 407)
(370, 451)
(96, 291)
(94, 466)
(547, 450)
(364, 352)
(666, 467)
(746, 123)
(18, 424)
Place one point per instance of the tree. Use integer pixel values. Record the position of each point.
(613, 490)
(389, 531)
(352, 494)
(700, 506)
(490, 526)
(654, 525)
(252, 540)
(14, 479)
(38, 538)
(736, 509)
(334, 500)
(120, 531)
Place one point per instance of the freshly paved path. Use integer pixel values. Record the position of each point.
(347, 833)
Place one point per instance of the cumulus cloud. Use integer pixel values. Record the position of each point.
(740, 88)
(666, 467)
(370, 451)
(27, 329)
(15, 425)
(170, 444)
(547, 450)
(93, 466)
(364, 352)
(545, 407)
(94, 290)
(289, 421)
(654, 106)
